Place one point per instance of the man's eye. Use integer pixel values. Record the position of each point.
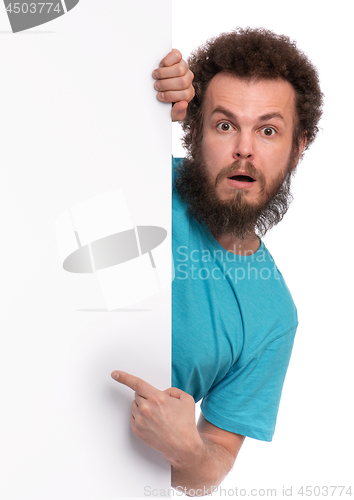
(268, 131)
(224, 126)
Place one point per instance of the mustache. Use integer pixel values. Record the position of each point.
(235, 167)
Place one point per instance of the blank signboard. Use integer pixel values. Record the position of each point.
(85, 248)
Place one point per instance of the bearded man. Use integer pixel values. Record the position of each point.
(256, 108)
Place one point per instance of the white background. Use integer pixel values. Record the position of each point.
(79, 118)
(312, 246)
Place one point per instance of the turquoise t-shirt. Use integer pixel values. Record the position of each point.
(233, 327)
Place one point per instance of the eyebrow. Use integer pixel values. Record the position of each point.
(229, 114)
(269, 116)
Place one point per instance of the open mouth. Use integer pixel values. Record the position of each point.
(242, 178)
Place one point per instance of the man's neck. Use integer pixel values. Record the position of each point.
(246, 246)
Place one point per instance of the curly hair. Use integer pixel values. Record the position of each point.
(255, 54)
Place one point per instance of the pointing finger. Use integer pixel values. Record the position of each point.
(135, 383)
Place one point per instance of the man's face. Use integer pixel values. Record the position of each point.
(238, 179)
(247, 136)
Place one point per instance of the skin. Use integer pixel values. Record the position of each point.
(247, 121)
(238, 133)
(201, 455)
(174, 83)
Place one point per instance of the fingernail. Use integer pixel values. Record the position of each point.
(154, 74)
(161, 95)
(115, 375)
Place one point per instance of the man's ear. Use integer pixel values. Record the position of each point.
(298, 152)
(302, 143)
(196, 136)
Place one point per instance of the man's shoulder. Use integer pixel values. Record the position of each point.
(267, 283)
(178, 207)
(176, 162)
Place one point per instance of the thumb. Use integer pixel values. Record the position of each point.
(174, 392)
(179, 111)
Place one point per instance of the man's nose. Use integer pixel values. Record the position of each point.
(244, 147)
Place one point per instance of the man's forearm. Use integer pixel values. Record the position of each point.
(206, 468)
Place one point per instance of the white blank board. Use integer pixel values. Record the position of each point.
(80, 118)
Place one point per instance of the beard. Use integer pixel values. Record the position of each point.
(236, 216)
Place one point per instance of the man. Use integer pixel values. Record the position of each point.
(255, 111)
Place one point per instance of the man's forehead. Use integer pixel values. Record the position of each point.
(253, 97)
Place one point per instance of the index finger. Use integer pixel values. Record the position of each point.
(135, 383)
(172, 58)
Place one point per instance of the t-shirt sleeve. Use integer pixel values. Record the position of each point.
(246, 400)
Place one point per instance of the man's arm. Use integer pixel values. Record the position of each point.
(174, 83)
(165, 420)
(211, 463)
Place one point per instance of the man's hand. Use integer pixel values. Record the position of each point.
(164, 420)
(174, 83)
